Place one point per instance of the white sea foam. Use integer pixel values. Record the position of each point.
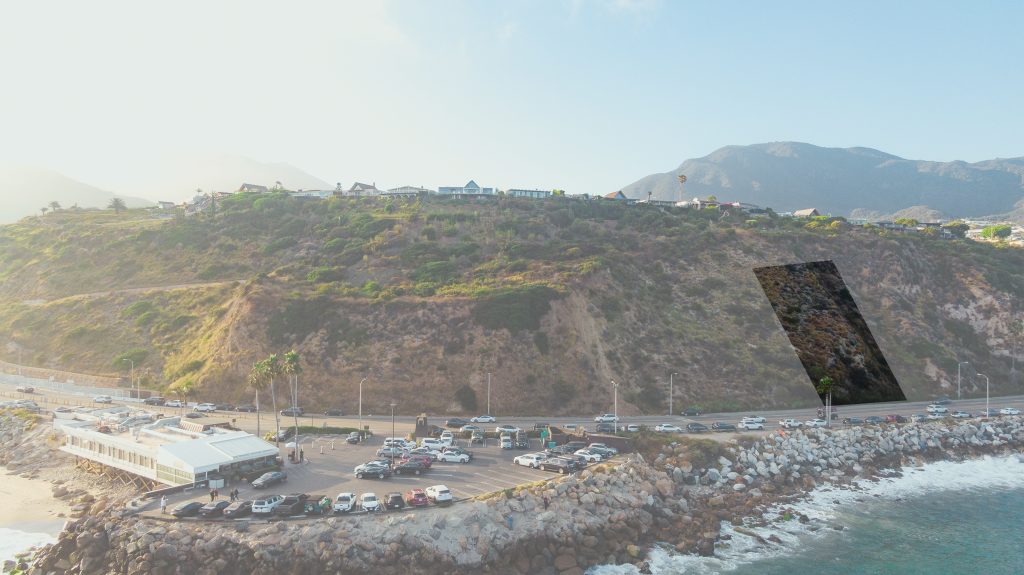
(822, 507)
(13, 542)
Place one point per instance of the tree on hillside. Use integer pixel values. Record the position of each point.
(293, 368)
(55, 206)
(44, 209)
(258, 381)
(997, 232)
(957, 228)
(272, 367)
(118, 205)
(466, 397)
(824, 387)
(908, 222)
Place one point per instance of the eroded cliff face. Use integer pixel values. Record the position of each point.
(554, 300)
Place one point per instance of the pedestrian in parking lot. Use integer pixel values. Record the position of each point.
(212, 494)
(163, 505)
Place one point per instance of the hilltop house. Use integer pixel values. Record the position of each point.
(166, 205)
(471, 189)
(361, 190)
(253, 188)
(535, 194)
(312, 194)
(407, 191)
(618, 196)
(806, 213)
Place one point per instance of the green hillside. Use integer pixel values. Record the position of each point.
(555, 298)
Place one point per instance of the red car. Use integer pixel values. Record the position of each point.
(424, 459)
(416, 498)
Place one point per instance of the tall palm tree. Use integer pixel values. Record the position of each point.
(824, 387)
(293, 369)
(272, 365)
(258, 381)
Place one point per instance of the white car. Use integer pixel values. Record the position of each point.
(531, 460)
(749, 424)
(1009, 411)
(432, 443)
(815, 423)
(453, 457)
(266, 505)
(936, 408)
(483, 419)
(755, 419)
(791, 423)
(369, 502)
(633, 427)
(960, 414)
(344, 502)
(668, 428)
(470, 428)
(205, 407)
(603, 447)
(447, 438)
(606, 418)
(439, 494)
(173, 403)
(511, 429)
(590, 456)
(103, 399)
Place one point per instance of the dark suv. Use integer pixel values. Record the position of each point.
(696, 427)
(394, 501)
(269, 478)
(292, 505)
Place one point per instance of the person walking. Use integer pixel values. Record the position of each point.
(213, 494)
(163, 505)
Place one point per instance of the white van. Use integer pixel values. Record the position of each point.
(431, 443)
(447, 438)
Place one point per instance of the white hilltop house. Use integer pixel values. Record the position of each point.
(535, 194)
(172, 451)
(408, 191)
(471, 189)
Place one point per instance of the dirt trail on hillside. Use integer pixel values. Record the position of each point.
(37, 302)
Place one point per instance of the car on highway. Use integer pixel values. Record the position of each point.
(633, 428)
(454, 457)
(750, 424)
(246, 408)
(483, 419)
(668, 428)
(333, 413)
(154, 400)
(812, 423)
(25, 389)
(853, 420)
(944, 400)
(510, 429)
(873, 420)
(691, 412)
(470, 428)
(293, 412)
(439, 494)
(960, 414)
(290, 505)
(205, 408)
(372, 469)
(588, 455)
(409, 467)
(991, 412)
(266, 505)
(723, 426)
(103, 399)
(187, 509)
(269, 478)
(214, 508)
(368, 502)
(456, 422)
(344, 502)
(531, 460)
(790, 423)
(238, 509)
(895, 418)
(696, 428)
(1009, 411)
(606, 418)
(936, 408)
(224, 407)
(174, 403)
(416, 498)
(755, 418)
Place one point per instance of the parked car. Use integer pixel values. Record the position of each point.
(238, 509)
(269, 478)
(668, 428)
(456, 422)
(632, 428)
(394, 500)
(25, 389)
(873, 420)
(290, 505)
(696, 428)
(246, 408)
(333, 413)
(432, 443)
(205, 408)
(723, 426)
(454, 457)
(470, 428)
(555, 464)
(588, 455)
(173, 403)
(601, 447)
(187, 509)
(103, 399)
(376, 470)
(439, 494)
(750, 424)
(895, 418)
(214, 508)
(352, 438)
(426, 460)
(224, 407)
(447, 437)
(991, 412)
(520, 440)
(317, 505)
(344, 502)
(606, 418)
(960, 414)
(505, 442)
(154, 400)
(292, 412)
(755, 418)
(368, 502)
(390, 452)
(266, 505)
(531, 460)
(1009, 411)
(193, 415)
(409, 467)
(483, 419)
(477, 438)
(812, 423)
(425, 452)
(416, 498)
(853, 420)
(691, 411)
(606, 427)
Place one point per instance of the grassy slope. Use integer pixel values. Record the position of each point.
(554, 298)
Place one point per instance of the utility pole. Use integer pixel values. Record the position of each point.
(615, 403)
(670, 392)
(958, 378)
(489, 393)
(361, 406)
(986, 394)
(393, 406)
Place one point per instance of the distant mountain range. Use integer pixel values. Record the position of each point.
(24, 190)
(843, 181)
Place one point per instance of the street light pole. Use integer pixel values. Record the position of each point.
(393, 406)
(489, 393)
(670, 392)
(615, 403)
(958, 378)
(361, 406)
(986, 394)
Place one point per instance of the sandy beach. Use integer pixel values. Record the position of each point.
(31, 506)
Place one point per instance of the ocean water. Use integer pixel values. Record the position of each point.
(13, 541)
(944, 518)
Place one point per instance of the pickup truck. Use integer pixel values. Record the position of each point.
(790, 423)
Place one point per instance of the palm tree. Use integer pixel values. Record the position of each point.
(824, 387)
(273, 369)
(44, 210)
(258, 381)
(55, 206)
(293, 369)
(118, 205)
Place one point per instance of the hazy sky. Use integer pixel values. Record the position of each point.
(582, 95)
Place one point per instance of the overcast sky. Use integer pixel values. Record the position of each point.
(582, 95)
